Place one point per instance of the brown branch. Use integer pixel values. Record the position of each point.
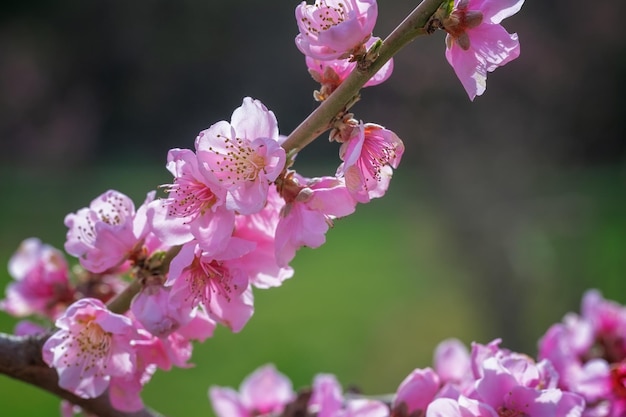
(20, 358)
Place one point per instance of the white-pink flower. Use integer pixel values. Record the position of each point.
(369, 156)
(334, 29)
(264, 392)
(41, 281)
(213, 281)
(91, 346)
(476, 42)
(101, 236)
(244, 156)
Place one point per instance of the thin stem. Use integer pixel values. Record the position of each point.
(322, 118)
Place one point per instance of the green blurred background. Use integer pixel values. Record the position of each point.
(502, 213)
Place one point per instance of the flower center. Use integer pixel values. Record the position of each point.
(209, 278)
(92, 346)
(239, 161)
(324, 17)
(189, 197)
(376, 153)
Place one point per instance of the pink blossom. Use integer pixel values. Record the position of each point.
(502, 383)
(327, 397)
(152, 308)
(452, 361)
(334, 29)
(331, 73)
(213, 281)
(101, 236)
(264, 392)
(369, 155)
(589, 353)
(477, 43)
(244, 156)
(195, 207)
(309, 213)
(417, 391)
(91, 346)
(41, 281)
(505, 389)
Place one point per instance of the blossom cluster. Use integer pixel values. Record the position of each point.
(151, 279)
(579, 371)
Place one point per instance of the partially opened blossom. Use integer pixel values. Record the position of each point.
(416, 392)
(265, 392)
(309, 213)
(334, 29)
(476, 42)
(452, 361)
(214, 282)
(244, 156)
(91, 346)
(153, 309)
(41, 281)
(101, 236)
(369, 156)
(326, 397)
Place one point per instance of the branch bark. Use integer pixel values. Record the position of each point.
(20, 358)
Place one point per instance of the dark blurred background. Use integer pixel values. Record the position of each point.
(503, 212)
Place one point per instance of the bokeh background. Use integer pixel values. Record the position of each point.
(503, 212)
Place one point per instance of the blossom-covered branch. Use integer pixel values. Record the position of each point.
(20, 358)
(322, 118)
(152, 279)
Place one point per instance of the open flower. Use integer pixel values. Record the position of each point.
(244, 156)
(334, 29)
(213, 281)
(91, 346)
(369, 155)
(195, 207)
(41, 283)
(101, 236)
(476, 42)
